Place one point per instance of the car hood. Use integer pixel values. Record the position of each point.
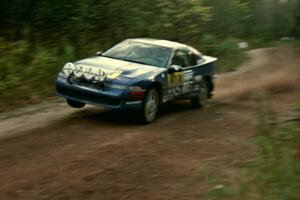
(126, 69)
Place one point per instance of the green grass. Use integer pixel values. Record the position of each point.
(275, 172)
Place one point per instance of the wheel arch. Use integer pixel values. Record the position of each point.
(158, 86)
(210, 83)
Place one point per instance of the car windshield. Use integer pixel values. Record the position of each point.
(139, 52)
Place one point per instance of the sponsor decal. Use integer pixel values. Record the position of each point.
(178, 90)
(198, 78)
(188, 75)
(167, 98)
(187, 87)
(133, 102)
(197, 88)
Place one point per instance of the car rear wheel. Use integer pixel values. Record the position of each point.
(201, 99)
(75, 104)
(150, 106)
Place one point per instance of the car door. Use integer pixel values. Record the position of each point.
(197, 70)
(195, 62)
(176, 80)
(189, 72)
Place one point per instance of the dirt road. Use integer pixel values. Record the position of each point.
(53, 152)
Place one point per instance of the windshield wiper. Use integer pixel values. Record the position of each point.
(124, 59)
(128, 60)
(108, 56)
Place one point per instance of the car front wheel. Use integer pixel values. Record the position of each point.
(150, 106)
(75, 104)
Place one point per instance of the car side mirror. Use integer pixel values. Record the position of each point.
(99, 53)
(174, 68)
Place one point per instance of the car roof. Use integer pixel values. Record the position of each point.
(165, 43)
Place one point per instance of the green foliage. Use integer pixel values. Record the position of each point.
(11, 63)
(229, 17)
(37, 37)
(27, 71)
(230, 56)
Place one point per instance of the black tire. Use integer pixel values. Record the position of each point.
(200, 100)
(75, 104)
(150, 106)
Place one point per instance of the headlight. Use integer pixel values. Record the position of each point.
(89, 73)
(78, 72)
(68, 69)
(100, 75)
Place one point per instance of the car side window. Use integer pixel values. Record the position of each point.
(181, 58)
(194, 59)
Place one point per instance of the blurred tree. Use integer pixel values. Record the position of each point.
(86, 22)
(296, 28)
(38, 36)
(230, 17)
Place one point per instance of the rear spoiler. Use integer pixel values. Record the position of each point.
(209, 59)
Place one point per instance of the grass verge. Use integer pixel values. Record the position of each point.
(275, 172)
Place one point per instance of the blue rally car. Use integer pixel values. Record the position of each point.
(138, 73)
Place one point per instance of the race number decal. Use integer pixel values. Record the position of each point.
(175, 79)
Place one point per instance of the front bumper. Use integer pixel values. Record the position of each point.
(107, 97)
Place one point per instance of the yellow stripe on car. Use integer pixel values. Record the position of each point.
(115, 74)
